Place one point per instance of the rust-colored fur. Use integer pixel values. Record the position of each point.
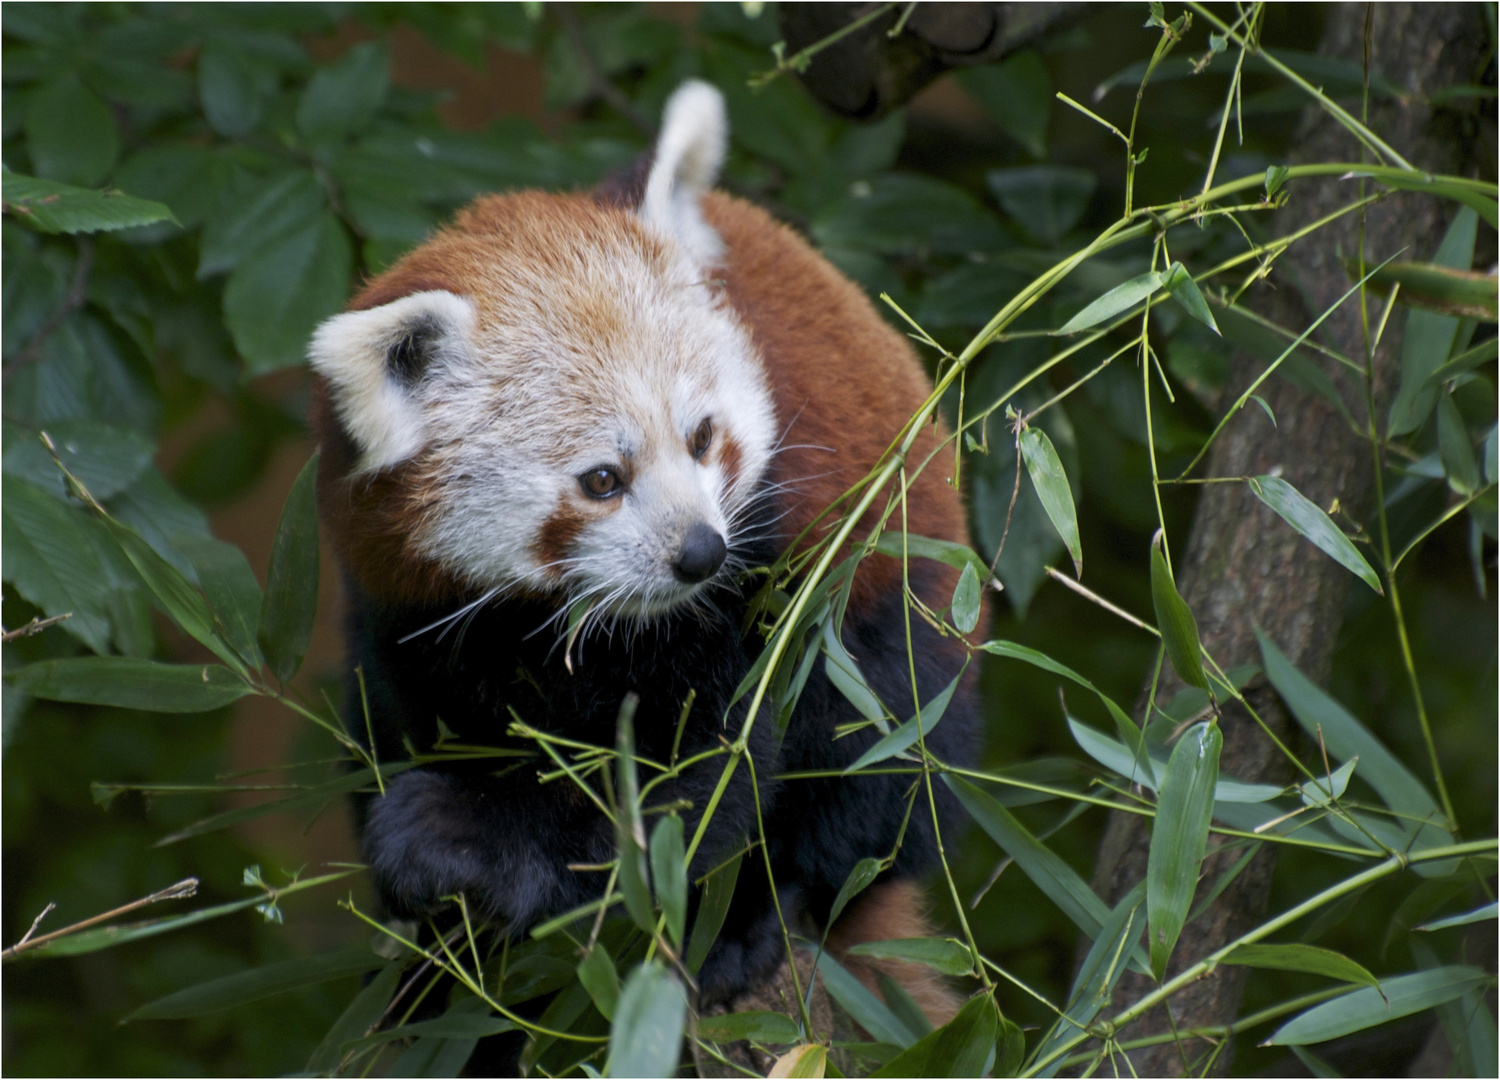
(843, 380)
(888, 912)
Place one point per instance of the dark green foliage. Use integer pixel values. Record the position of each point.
(190, 189)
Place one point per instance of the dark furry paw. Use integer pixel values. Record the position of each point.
(433, 836)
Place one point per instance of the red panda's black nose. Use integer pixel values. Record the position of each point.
(702, 553)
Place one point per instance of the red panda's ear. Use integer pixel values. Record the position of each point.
(689, 152)
(375, 360)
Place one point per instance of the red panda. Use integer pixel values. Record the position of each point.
(623, 400)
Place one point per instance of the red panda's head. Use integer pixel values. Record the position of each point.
(551, 396)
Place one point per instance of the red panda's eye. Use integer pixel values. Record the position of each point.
(601, 483)
(698, 444)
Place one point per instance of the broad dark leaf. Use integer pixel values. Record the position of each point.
(291, 598)
(243, 987)
(71, 134)
(128, 683)
(55, 207)
(959, 1048)
(280, 291)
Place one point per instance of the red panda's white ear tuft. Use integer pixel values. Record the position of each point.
(375, 362)
(689, 152)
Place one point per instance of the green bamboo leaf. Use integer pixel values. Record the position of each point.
(646, 1036)
(1329, 789)
(445, 1047)
(948, 955)
(230, 588)
(1479, 914)
(1010, 1050)
(243, 987)
(1179, 838)
(1054, 877)
(128, 683)
(1275, 176)
(1324, 718)
(906, 736)
(903, 1005)
(1095, 982)
(361, 1014)
(1390, 1000)
(868, 1011)
(1299, 957)
(1116, 302)
(966, 601)
(1467, 1022)
(864, 872)
(1116, 757)
(1428, 339)
(1315, 1065)
(630, 831)
(961, 1047)
(846, 677)
(669, 874)
(1303, 515)
(1051, 482)
(1185, 290)
(1454, 449)
(53, 207)
(1179, 630)
(428, 1057)
(597, 973)
(1126, 726)
(761, 1027)
(448, 1026)
(957, 556)
(713, 906)
(291, 599)
(1483, 353)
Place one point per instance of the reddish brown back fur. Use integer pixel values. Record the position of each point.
(888, 912)
(844, 383)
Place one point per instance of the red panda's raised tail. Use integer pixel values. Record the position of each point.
(622, 404)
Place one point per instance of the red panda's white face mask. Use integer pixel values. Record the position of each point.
(587, 417)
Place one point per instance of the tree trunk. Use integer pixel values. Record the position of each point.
(1244, 568)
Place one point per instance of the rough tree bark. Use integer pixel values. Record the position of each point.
(1242, 568)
